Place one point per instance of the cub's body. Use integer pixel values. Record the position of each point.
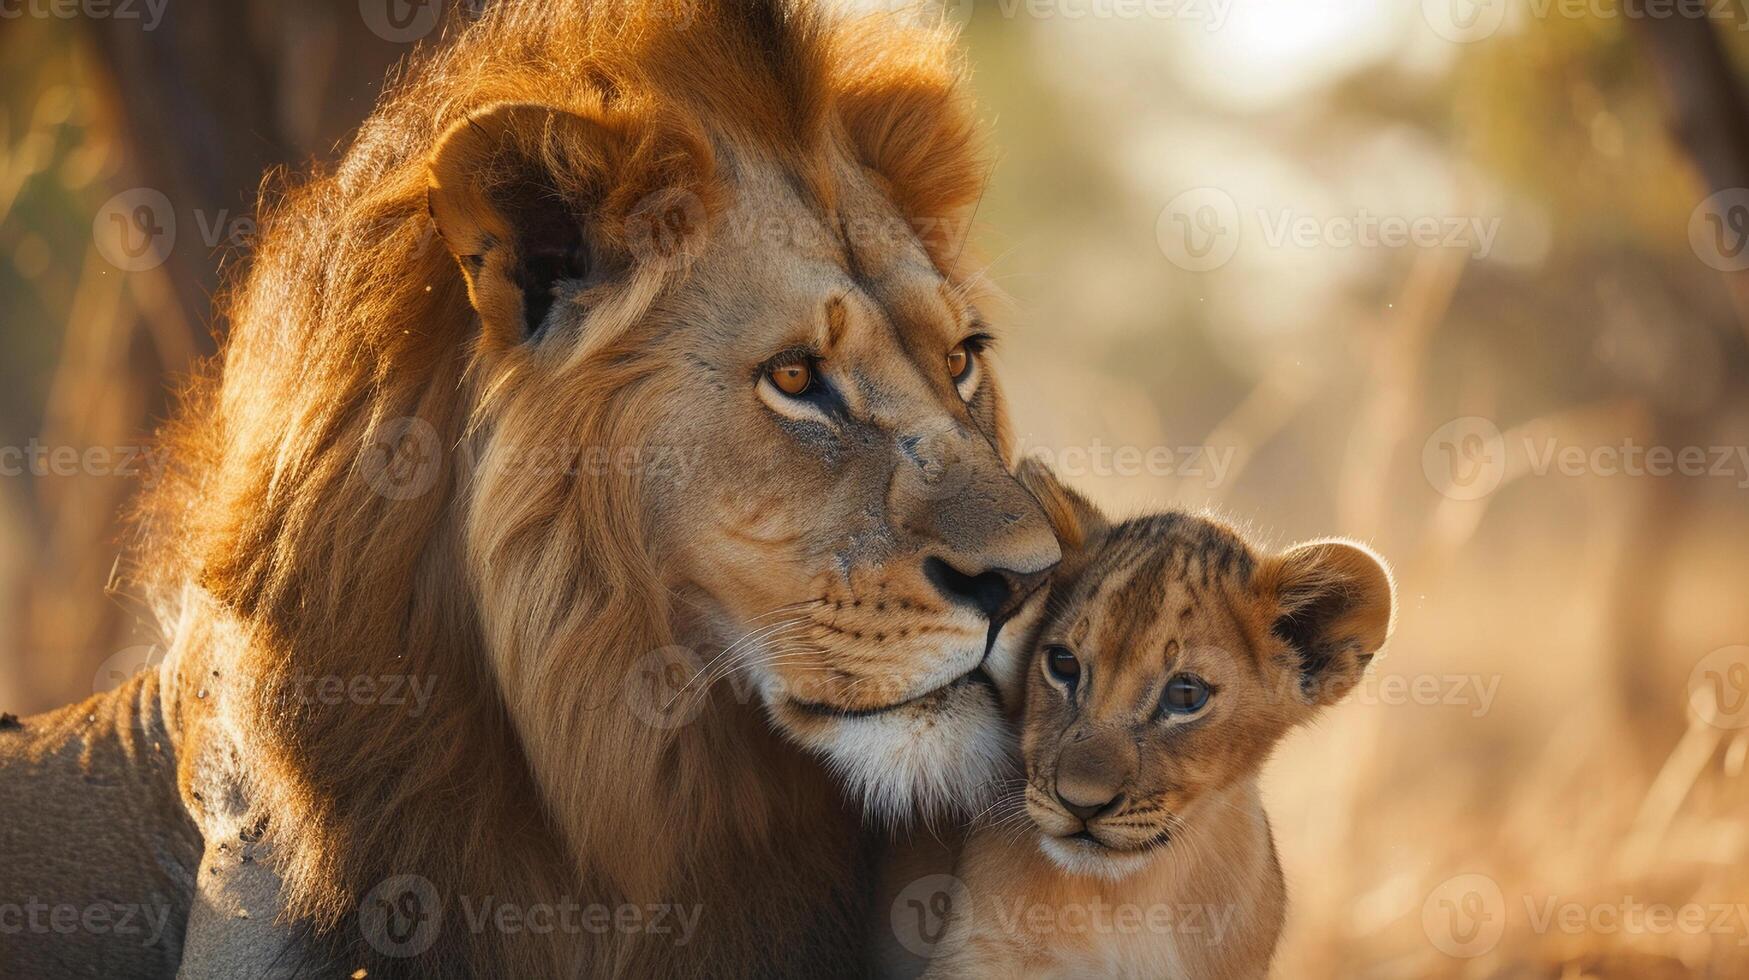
(1155, 676)
(1212, 909)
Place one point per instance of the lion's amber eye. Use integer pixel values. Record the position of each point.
(793, 379)
(959, 362)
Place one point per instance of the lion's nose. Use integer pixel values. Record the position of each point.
(994, 593)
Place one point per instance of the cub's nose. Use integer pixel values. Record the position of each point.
(1088, 810)
(1093, 767)
(995, 593)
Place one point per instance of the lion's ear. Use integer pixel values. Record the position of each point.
(1333, 603)
(1073, 517)
(531, 197)
(910, 118)
(497, 200)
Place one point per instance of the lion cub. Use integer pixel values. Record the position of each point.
(1156, 677)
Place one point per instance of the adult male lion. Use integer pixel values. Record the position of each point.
(699, 368)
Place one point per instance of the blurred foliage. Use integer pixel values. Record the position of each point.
(54, 159)
(1324, 371)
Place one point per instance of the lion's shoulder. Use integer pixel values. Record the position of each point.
(98, 859)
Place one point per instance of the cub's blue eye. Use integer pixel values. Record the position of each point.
(1185, 695)
(1063, 665)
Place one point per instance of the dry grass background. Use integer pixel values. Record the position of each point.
(1583, 603)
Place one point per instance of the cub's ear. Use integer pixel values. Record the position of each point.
(1073, 517)
(1334, 603)
(528, 197)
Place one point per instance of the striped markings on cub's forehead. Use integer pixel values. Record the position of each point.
(1141, 567)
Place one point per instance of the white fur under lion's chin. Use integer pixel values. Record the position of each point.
(939, 759)
(1090, 861)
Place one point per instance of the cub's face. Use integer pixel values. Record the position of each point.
(1167, 663)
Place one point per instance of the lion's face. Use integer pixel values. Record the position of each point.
(851, 520)
(817, 435)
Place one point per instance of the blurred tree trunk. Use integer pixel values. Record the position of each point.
(217, 94)
(1708, 117)
(224, 91)
(1706, 110)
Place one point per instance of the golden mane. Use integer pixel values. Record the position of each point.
(354, 319)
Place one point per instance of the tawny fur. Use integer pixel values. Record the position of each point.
(378, 296)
